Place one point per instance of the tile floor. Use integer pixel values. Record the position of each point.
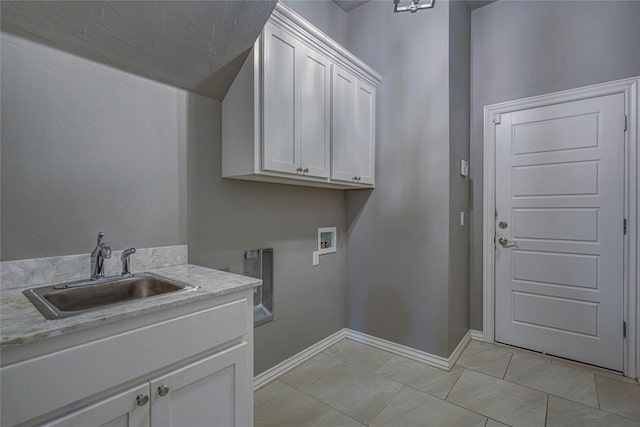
(352, 384)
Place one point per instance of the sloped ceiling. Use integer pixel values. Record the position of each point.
(349, 5)
(194, 45)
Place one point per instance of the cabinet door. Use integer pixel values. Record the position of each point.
(215, 391)
(343, 94)
(281, 129)
(121, 410)
(364, 134)
(315, 110)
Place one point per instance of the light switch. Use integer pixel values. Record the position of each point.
(461, 218)
(464, 168)
(316, 258)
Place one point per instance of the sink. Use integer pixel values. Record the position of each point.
(72, 298)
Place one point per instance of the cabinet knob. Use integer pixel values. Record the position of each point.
(142, 399)
(163, 390)
(306, 170)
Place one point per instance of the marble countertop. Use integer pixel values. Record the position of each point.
(21, 322)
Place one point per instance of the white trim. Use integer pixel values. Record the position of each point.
(476, 335)
(282, 368)
(411, 353)
(285, 18)
(632, 184)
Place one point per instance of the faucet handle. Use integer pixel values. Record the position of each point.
(126, 271)
(126, 253)
(100, 237)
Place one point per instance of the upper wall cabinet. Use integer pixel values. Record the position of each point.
(300, 111)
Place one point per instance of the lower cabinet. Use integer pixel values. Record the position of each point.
(210, 392)
(188, 366)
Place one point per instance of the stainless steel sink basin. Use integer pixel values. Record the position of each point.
(72, 298)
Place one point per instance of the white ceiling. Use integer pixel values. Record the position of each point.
(194, 45)
(349, 5)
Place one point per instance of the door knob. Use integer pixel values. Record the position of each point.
(163, 390)
(503, 224)
(142, 399)
(504, 242)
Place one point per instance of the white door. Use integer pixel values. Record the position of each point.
(215, 391)
(315, 119)
(364, 134)
(281, 129)
(127, 409)
(342, 129)
(559, 210)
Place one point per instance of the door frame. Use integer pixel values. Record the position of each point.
(631, 309)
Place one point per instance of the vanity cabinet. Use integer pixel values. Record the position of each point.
(189, 366)
(210, 392)
(287, 117)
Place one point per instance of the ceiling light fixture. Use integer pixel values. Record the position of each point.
(414, 6)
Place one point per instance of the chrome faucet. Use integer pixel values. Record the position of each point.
(126, 271)
(101, 252)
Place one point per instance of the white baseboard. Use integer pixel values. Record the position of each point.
(476, 335)
(282, 368)
(411, 353)
(445, 363)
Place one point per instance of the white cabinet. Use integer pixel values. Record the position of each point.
(315, 113)
(296, 105)
(343, 108)
(213, 391)
(169, 368)
(281, 105)
(283, 118)
(210, 392)
(364, 134)
(353, 128)
(120, 410)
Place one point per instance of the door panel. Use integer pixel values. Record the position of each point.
(364, 133)
(315, 119)
(211, 392)
(281, 128)
(580, 224)
(120, 410)
(559, 187)
(342, 115)
(539, 137)
(554, 268)
(556, 180)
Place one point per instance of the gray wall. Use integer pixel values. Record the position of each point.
(459, 93)
(398, 234)
(522, 49)
(86, 148)
(323, 14)
(227, 217)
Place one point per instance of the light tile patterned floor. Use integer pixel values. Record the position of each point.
(352, 384)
